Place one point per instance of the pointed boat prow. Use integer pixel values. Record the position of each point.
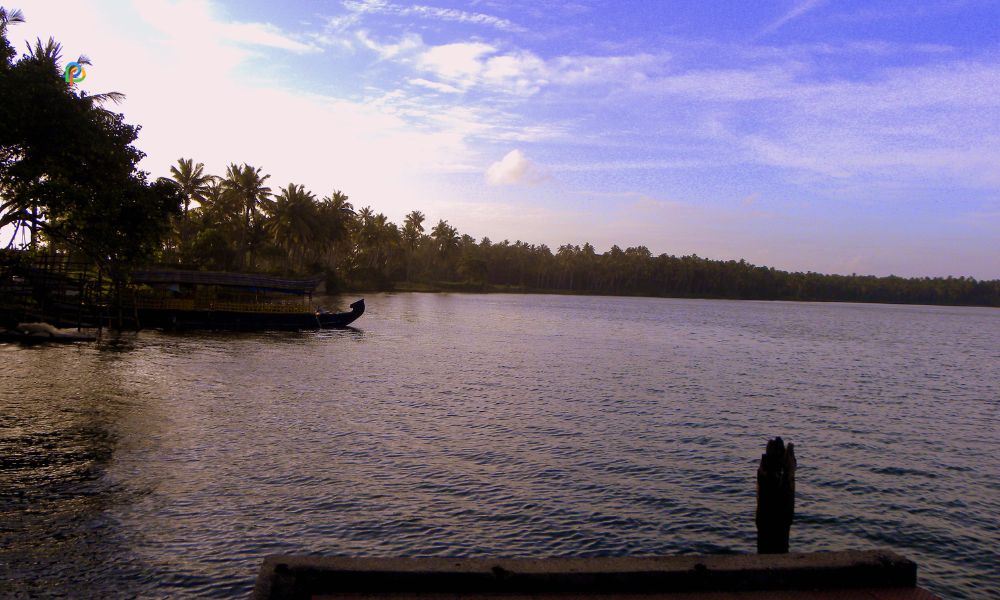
(331, 320)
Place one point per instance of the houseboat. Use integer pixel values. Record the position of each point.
(174, 299)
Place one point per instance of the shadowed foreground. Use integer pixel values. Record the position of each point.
(861, 574)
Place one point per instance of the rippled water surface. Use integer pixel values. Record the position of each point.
(464, 425)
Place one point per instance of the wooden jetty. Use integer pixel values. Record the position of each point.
(772, 573)
(878, 574)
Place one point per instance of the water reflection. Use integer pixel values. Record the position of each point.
(57, 439)
(169, 464)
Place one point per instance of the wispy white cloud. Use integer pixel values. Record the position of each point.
(197, 20)
(516, 72)
(614, 69)
(460, 63)
(521, 73)
(911, 123)
(902, 122)
(956, 84)
(812, 126)
(626, 165)
(384, 7)
(337, 25)
(265, 34)
(725, 84)
(836, 129)
(513, 169)
(390, 50)
(799, 8)
(874, 12)
(631, 203)
(437, 86)
(883, 47)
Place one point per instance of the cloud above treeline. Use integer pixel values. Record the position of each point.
(514, 169)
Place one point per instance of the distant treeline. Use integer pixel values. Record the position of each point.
(234, 222)
(635, 271)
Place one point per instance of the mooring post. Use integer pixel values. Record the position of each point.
(775, 497)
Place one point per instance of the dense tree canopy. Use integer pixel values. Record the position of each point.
(68, 169)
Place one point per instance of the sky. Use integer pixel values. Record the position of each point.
(807, 135)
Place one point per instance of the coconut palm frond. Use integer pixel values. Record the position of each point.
(14, 16)
(84, 60)
(51, 50)
(115, 97)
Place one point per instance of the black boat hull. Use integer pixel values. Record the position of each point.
(224, 320)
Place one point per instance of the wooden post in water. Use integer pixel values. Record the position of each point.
(775, 497)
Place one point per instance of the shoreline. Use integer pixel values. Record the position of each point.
(471, 288)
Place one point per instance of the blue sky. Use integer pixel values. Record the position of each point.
(831, 136)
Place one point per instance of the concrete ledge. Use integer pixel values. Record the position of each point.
(304, 577)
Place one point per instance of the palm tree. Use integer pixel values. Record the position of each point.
(385, 238)
(376, 237)
(446, 241)
(445, 237)
(366, 235)
(23, 208)
(336, 216)
(54, 170)
(221, 208)
(338, 201)
(14, 16)
(8, 18)
(216, 228)
(192, 180)
(365, 215)
(413, 227)
(50, 54)
(247, 184)
(566, 258)
(293, 221)
(216, 201)
(413, 231)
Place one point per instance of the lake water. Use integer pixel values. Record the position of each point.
(169, 465)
